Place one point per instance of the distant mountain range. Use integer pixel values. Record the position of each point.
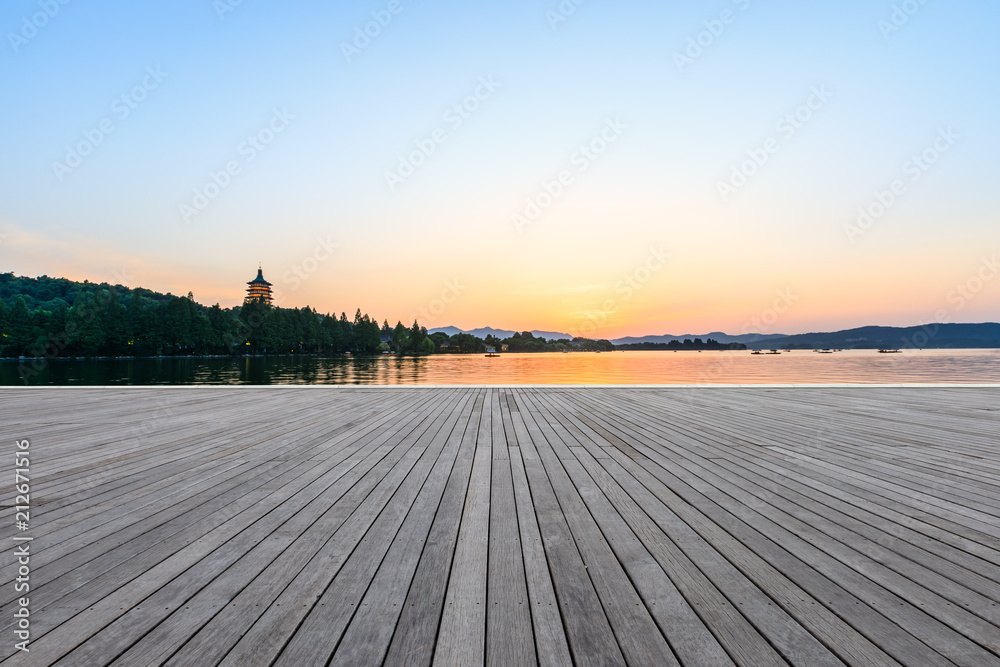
(483, 332)
(871, 337)
(664, 338)
(925, 336)
(715, 335)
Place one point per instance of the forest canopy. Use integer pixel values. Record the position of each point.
(55, 317)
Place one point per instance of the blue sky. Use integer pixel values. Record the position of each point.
(315, 205)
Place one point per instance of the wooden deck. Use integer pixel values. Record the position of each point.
(507, 526)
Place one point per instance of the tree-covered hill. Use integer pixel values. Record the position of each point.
(55, 317)
(45, 318)
(686, 344)
(51, 294)
(935, 335)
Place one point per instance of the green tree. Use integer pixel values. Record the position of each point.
(310, 330)
(426, 346)
(177, 322)
(400, 338)
(21, 331)
(84, 326)
(367, 337)
(332, 333)
(4, 322)
(110, 313)
(253, 317)
(36, 318)
(222, 337)
(416, 338)
(346, 333)
(439, 337)
(142, 331)
(467, 343)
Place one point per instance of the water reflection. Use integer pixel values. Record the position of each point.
(974, 366)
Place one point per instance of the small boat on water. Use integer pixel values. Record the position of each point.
(774, 352)
(754, 352)
(889, 351)
(824, 351)
(492, 354)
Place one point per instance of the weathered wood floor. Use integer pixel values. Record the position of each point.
(507, 526)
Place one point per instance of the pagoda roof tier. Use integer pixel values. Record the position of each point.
(259, 280)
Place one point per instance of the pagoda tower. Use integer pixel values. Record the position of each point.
(258, 288)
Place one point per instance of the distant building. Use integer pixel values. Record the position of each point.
(258, 289)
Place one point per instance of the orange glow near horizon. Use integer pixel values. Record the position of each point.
(581, 291)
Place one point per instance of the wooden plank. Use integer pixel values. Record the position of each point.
(638, 638)
(733, 513)
(509, 636)
(684, 629)
(588, 632)
(367, 639)
(511, 525)
(461, 638)
(416, 630)
(332, 546)
(193, 520)
(591, 639)
(757, 581)
(213, 643)
(550, 635)
(284, 496)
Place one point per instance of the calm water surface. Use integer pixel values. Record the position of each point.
(806, 366)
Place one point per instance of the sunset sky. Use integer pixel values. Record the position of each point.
(619, 169)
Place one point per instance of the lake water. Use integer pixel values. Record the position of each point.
(684, 367)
